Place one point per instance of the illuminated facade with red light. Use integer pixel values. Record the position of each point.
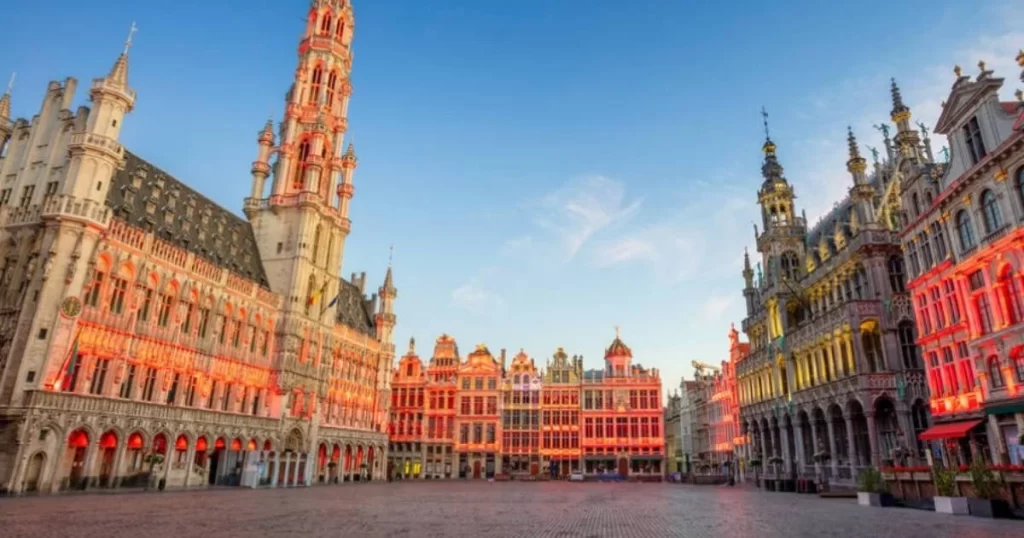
(439, 414)
(477, 419)
(408, 399)
(962, 234)
(622, 417)
(521, 418)
(723, 406)
(560, 413)
(148, 334)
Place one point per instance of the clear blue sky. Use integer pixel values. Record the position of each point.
(547, 170)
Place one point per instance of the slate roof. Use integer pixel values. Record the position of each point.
(354, 310)
(149, 198)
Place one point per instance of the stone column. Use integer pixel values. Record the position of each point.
(798, 436)
(91, 451)
(288, 470)
(832, 446)
(57, 474)
(851, 364)
(276, 471)
(310, 468)
(190, 456)
(873, 438)
(206, 467)
(787, 459)
(814, 443)
(998, 449)
(764, 447)
(851, 447)
(122, 447)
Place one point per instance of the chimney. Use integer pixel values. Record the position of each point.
(503, 360)
(362, 282)
(373, 302)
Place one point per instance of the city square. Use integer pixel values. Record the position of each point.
(480, 510)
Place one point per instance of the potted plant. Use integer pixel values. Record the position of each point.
(985, 502)
(945, 488)
(872, 490)
(153, 459)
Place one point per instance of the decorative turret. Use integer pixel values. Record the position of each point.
(261, 166)
(907, 142)
(618, 357)
(386, 315)
(776, 199)
(856, 165)
(748, 272)
(6, 126)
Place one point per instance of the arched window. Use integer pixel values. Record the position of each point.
(1019, 183)
(897, 276)
(299, 181)
(916, 203)
(858, 286)
(908, 345)
(871, 341)
(1018, 366)
(316, 80)
(926, 250)
(325, 24)
(316, 245)
(915, 262)
(790, 265)
(919, 420)
(990, 212)
(332, 84)
(1009, 289)
(964, 230)
(939, 239)
(339, 31)
(995, 373)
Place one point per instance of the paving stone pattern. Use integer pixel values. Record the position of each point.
(479, 510)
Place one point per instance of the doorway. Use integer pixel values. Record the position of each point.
(476, 469)
(623, 467)
(34, 472)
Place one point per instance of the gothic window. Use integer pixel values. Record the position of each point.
(164, 316)
(916, 204)
(339, 30)
(1018, 366)
(908, 345)
(952, 301)
(149, 385)
(117, 297)
(1009, 289)
(332, 85)
(990, 212)
(937, 312)
(99, 376)
(315, 84)
(299, 181)
(995, 373)
(964, 230)
(325, 24)
(939, 239)
(872, 344)
(93, 297)
(915, 263)
(926, 250)
(316, 245)
(186, 324)
(897, 274)
(972, 138)
(919, 420)
(129, 381)
(984, 308)
(790, 265)
(922, 313)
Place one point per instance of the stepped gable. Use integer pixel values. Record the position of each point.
(149, 198)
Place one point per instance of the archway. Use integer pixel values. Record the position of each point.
(78, 444)
(134, 467)
(180, 451)
(219, 449)
(861, 444)
(841, 442)
(348, 462)
(321, 464)
(108, 451)
(887, 428)
(201, 447)
(359, 463)
(335, 469)
(806, 441)
(34, 472)
(371, 464)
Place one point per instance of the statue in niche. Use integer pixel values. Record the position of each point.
(48, 265)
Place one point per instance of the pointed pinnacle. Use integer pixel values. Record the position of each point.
(897, 97)
(852, 141)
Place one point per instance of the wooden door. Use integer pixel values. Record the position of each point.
(476, 469)
(623, 467)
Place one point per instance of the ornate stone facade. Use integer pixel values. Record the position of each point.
(962, 234)
(149, 336)
(832, 370)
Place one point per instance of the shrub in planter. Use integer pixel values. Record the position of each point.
(986, 489)
(162, 484)
(872, 489)
(945, 488)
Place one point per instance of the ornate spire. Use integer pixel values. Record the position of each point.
(119, 73)
(5, 99)
(748, 271)
(389, 280)
(412, 346)
(899, 110)
(856, 165)
(771, 170)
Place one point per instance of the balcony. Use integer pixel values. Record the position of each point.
(64, 206)
(87, 141)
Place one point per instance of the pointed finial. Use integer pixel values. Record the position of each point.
(412, 345)
(898, 108)
(764, 114)
(131, 35)
(957, 70)
(617, 332)
(391, 254)
(852, 141)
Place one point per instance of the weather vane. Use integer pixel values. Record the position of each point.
(391, 254)
(617, 331)
(131, 33)
(764, 114)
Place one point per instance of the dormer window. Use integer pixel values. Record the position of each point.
(972, 137)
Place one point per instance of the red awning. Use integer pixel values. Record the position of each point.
(952, 430)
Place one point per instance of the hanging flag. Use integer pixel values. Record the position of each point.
(333, 302)
(316, 295)
(70, 365)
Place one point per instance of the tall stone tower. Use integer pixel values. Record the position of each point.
(302, 222)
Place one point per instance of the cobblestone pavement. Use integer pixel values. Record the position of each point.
(479, 510)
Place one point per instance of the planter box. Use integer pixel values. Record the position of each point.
(952, 505)
(875, 499)
(989, 507)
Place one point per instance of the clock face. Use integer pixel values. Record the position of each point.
(71, 307)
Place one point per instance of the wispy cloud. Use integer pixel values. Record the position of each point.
(716, 305)
(673, 251)
(584, 207)
(516, 246)
(472, 296)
